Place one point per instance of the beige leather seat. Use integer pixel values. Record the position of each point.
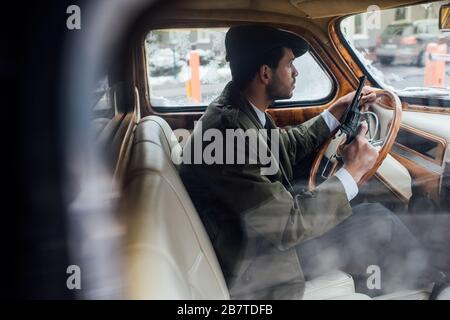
(168, 252)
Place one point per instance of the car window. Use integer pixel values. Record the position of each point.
(397, 30)
(422, 28)
(187, 67)
(101, 100)
(433, 28)
(408, 56)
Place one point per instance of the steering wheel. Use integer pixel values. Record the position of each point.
(382, 134)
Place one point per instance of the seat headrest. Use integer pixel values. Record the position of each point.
(163, 136)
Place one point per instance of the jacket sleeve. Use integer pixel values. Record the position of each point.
(305, 138)
(270, 210)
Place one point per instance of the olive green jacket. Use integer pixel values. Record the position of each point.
(251, 218)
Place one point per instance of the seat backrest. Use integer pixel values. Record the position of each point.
(114, 134)
(168, 254)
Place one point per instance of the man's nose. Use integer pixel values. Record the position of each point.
(295, 72)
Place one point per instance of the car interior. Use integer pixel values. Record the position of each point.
(164, 251)
(167, 253)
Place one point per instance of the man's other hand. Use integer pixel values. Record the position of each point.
(339, 107)
(359, 156)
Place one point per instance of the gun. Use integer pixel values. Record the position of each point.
(352, 116)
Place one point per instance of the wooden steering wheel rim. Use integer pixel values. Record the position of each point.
(389, 100)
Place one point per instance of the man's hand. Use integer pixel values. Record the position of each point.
(338, 108)
(359, 156)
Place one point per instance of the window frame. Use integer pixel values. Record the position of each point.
(276, 105)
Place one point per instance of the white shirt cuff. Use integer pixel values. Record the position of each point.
(350, 186)
(330, 120)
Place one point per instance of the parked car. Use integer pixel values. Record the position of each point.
(407, 42)
(165, 62)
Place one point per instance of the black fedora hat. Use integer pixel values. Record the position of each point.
(247, 42)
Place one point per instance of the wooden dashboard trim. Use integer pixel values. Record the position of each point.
(440, 152)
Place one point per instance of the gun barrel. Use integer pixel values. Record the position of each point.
(352, 115)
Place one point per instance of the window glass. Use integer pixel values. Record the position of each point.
(403, 49)
(400, 14)
(187, 67)
(358, 24)
(101, 102)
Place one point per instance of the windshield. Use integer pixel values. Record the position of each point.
(402, 49)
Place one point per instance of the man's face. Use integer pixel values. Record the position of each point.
(283, 77)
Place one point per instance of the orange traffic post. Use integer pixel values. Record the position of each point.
(435, 67)
(194, 85)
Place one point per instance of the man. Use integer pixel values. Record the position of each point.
(261, 234)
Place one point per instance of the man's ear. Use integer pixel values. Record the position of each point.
(265, 74)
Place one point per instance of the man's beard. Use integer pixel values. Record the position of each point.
(275, 90)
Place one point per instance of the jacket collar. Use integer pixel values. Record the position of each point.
(235, 102)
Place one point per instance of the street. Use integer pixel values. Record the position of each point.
(401, 76)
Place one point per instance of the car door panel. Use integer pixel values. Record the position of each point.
(421, 146)
(426, 164)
